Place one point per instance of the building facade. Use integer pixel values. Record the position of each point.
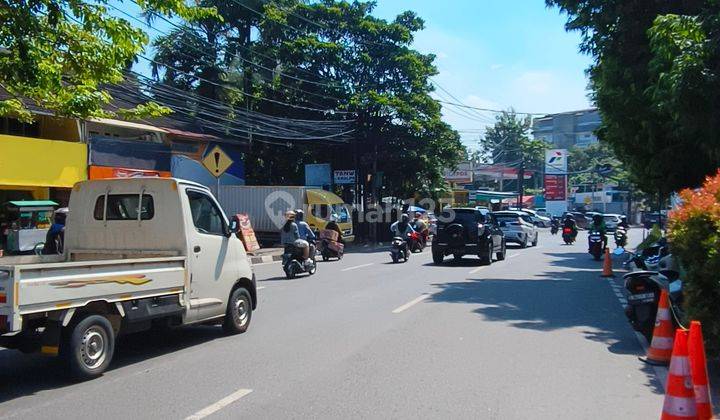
(567, 129)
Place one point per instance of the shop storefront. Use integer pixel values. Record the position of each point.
(33, 172)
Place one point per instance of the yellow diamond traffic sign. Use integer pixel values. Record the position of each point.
(217, 161)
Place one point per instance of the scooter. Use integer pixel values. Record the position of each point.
(294, 264)
(330, 249)
(595, 244)
(415, 242)
(399, 250)
(644, 287)
(568, 235)
(554, 227)
(620, 236)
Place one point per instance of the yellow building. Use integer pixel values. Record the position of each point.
(41, 160)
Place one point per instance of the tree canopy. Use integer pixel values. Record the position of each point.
(328, 55)
(58, 54)
(654, 80)
(508, 142)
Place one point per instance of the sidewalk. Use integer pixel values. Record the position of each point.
(265, 255)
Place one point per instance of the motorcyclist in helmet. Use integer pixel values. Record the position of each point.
(598, 225)
(402, 228)
(569, 222)
(306, 234)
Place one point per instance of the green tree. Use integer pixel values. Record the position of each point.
(58, 54)
(329, 55)
(584, 161)
(508, 143)
(654, 80)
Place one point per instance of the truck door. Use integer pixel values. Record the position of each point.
(212, 257)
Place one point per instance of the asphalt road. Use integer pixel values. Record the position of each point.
(539, 335)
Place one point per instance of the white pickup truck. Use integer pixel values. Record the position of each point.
(139, 253)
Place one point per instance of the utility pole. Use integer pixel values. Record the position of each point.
(247, 80)
(521, 179)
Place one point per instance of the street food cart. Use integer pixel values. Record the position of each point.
(26, 224)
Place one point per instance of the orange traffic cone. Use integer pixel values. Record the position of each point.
(661, 345)
(698, 366)
(607, 265)
(679, 397)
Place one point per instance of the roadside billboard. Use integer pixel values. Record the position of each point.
(556, 161)
(555, 181)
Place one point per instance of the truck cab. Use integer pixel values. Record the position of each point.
(138, 252)
(325, 206)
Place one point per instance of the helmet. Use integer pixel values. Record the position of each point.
(290, 215)
(597, 219)
(404, 218)
(299, 215)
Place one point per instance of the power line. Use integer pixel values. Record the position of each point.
(190, 30)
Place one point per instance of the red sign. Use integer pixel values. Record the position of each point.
(105, 172)
(247, 234)
(555, 188)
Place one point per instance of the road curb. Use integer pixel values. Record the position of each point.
(265, 259)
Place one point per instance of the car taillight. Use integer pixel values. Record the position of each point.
(567, 230)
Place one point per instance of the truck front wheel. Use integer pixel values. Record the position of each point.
(90, 347)
(239, 312)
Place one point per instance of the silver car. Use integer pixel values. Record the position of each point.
(611, 221)
(518, 227)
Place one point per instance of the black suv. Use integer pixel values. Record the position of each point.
(468, 231)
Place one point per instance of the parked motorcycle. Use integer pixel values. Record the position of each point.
(399, 249)
(644, 287)
(568, 235)
(415, 242)
(595, 244)
(294, 263)
(620, 236)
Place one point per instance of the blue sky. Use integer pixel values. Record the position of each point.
(492, 54)
(499, 54)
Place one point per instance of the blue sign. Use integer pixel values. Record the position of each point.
(318, 175)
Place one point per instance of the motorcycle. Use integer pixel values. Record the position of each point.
(620, 236)
(568, 235)
(416, 242)
(294, 264)
(399, 250)
(329, 246)
(644, 288)
(595, 244)
(554, 227)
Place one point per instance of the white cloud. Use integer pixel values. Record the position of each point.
(496, 66)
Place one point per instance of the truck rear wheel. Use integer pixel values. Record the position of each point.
(89, 347)
(239, 312)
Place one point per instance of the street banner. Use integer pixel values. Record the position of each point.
(247, 234)
(344, 177)
(555, 188)
(556, 162)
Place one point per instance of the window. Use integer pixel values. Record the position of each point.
(125, 207)
(207, 218)
(321, 211)
(462, 217)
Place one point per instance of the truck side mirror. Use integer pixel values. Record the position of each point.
(234, 226)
